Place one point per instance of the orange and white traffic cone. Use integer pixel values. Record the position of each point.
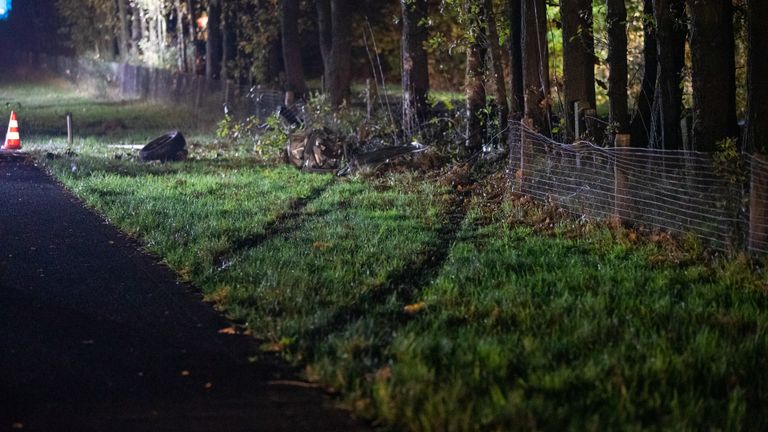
(12, 138)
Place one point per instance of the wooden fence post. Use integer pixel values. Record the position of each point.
(758, 214)
(621, 212)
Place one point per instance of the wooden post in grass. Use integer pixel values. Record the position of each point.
(621, 211)
(70, 133)
(758, 214)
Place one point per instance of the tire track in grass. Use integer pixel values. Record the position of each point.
(406, 282)
(284, 223)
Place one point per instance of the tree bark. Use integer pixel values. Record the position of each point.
(229, 43)
(641, 120)
(713, 73)
(474, 87)
(536, 64)
(578, 57)
(668, 100)
(757, 71)
(617, 64)
(213, 46)
(291, 44)
(125, 28)
(497, 65)
(136, 29)
(415, 72)
(515, 18)
(335, 27)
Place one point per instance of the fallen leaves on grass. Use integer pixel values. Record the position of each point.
(415, 308)
(228, 330)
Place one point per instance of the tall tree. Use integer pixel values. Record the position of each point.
(578, 57)
(229, 42)
(213, 45)
(124, 28)
(294, 70)
(757, 70)
(474, 87)
(617, 65)
(181, 37)
(713, 72)
(515, 19)
(335, 27)
(641, 119)
(496, 67)
(668, 101)
(536, 64)
(415, 73)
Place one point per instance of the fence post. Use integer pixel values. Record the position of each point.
(621, 188)
(758, 214)
(70, 132)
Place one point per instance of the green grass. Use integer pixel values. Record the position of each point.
(500, 323)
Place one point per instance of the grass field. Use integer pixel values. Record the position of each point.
(427, 303)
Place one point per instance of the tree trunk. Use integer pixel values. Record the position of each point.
(578, 58)
(125, 29)
(641, 120)
(136, 28)
(617, 64)
(196, 51)
(229, 43)
(714, 72)
(497, 65)
(325, 35)
(213, 46)
(415, 73)
(515, 18)
(181, 37)
(335, 26)
(757, 71)
(536, 64)
(291, 44)
(474, 88)
(668, 100)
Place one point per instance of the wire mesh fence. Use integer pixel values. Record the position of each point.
(210, 98)
(719, 200)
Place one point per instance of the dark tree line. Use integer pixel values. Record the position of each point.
(506, 47)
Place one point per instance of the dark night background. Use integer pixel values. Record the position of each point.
(31, 26)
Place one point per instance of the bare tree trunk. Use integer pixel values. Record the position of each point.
(757, 71)
(181, 38)
(213, 46)
(335, 26)
(125, 29)
(536, 64)
(291, 44)
(497, 65)
(617, 63)
(668, 100)
(136, 28)
(641, 120)
(229, 43)
(714, 72)
(515, 18)
(578, 58)
(325, 30)
(196, 51)
(415, 73)
(474, 88)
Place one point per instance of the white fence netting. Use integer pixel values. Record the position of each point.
(683, 192)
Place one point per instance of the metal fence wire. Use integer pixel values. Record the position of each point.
(124, 81)
(683, 192)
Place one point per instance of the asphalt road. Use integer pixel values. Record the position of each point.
(95, 335)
